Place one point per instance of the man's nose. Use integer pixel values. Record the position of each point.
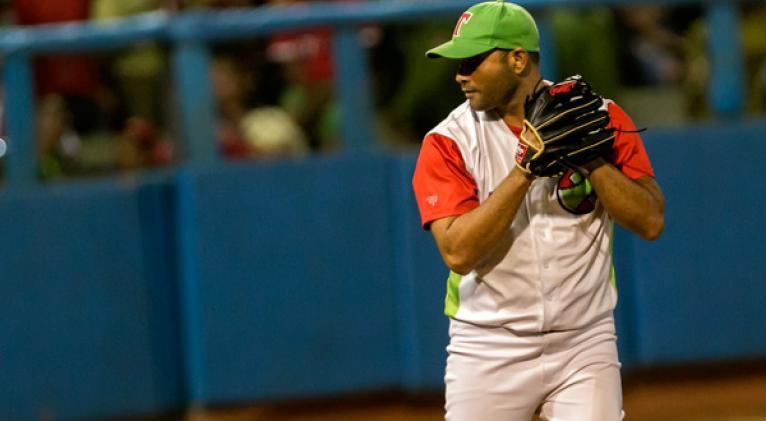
(462, 79)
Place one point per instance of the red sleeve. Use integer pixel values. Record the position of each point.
(443, 187)
(629, 153)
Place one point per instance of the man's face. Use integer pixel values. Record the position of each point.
(487, 80)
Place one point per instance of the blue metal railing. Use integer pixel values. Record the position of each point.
(190, 34)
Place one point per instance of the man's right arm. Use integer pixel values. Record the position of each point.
(464, 241)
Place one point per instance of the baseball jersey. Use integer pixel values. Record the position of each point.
(551, 270)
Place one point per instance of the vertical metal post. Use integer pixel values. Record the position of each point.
(549, 67)
(191, 64)
(403, 258)
(190, 300)
(352, 90)
(20, 119)
(727, 75)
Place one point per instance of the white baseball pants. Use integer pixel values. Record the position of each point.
(494, 374)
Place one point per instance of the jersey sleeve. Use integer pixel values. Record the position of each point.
(442, 184)
(629, 153)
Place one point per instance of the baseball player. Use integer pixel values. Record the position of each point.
(526, 228)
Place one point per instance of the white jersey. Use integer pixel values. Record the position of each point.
(552, 271)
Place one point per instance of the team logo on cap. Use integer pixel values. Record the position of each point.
(460, 22)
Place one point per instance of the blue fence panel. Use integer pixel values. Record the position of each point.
(623, 250)
(297, 294)
(700, 292)
(89, 319)
(422, 277)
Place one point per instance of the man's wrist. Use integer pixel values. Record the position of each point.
(521, 173)
(594, 165)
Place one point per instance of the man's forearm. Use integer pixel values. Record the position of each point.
(464, 241)
(637, 205)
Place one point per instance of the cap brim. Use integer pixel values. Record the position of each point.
(458, 51)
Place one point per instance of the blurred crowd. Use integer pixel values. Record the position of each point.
(112, 111)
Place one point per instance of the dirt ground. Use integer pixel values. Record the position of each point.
(701, 394)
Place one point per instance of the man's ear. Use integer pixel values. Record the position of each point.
(520, 60)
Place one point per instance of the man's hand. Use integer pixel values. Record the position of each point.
(564, 128)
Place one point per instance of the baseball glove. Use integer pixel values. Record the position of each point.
(564, 128)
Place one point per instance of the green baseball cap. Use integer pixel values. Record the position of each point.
(489, 25)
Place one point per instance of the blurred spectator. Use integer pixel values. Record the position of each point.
(139, 78)
(634, 54)
(94, 118)
(58, 143)
(67, 87)
(7, 15)
(411, 91)
(754, 48)
(72, 74)
(138, 73)
(247, 127)
(141, 146)
(244, 131)
(653, 35)
(307, 67)
(585, 45)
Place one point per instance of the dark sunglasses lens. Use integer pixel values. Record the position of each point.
(469, 65)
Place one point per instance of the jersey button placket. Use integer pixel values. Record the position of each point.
(532, 203)
(544, 266)
(546, 245)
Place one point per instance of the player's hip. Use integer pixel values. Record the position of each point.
(499, 342)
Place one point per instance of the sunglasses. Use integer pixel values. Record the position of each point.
(468, 65)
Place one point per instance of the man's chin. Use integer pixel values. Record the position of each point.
(477, 105)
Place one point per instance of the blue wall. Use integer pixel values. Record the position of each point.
(295, 278)
(700, 289)
(240, 282)
(89, 309)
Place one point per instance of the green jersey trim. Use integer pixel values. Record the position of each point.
(452, 300)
